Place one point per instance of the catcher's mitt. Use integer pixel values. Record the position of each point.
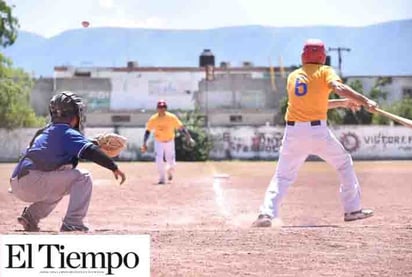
(111, 144)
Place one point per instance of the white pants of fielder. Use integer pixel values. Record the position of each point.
(298, 143)
(165, 151)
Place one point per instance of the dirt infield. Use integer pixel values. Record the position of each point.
(200, 223)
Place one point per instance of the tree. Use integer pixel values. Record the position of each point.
(195, 124)
(8, 25)
(15, 87)
(15, 84)
(376, 93)
(402, 108)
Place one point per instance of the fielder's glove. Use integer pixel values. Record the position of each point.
(191, 143)
(110, 143)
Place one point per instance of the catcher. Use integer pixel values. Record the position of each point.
(47, 170)
(164, 124)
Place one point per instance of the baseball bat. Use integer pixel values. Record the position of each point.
(401, 120)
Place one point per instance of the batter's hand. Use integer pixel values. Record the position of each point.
(120, 173)
(143, 149)
(354, 106)
(371, 106)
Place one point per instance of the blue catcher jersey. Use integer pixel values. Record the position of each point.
(57, 145)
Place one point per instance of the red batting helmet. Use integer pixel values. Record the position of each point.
(314, 52)
(161, 104)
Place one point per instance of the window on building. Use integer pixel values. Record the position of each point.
(407, 92)
(236, 118)
(82, 74)
(120, 118)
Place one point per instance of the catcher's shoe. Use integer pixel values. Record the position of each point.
(263, 220)
(73, 228)
(361, 214)
(28, 222)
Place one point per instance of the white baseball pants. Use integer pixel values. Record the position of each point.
(298, 143)
(165, 151)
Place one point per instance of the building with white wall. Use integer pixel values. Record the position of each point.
(127, 96)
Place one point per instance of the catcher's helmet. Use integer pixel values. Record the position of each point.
(314, 52)
(66, 105)
(161, 104)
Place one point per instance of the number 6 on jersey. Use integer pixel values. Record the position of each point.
(301, 88)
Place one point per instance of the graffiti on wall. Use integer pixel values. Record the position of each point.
(96, 100)
(168, 87)
(246, 143)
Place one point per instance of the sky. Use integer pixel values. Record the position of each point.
(51, 17)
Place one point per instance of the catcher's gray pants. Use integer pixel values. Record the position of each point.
(299, 141)
(44, 189)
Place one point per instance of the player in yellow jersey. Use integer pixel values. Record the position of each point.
(164, 124)
(307, 133)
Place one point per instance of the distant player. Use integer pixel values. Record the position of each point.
(164, 124)
(307, 133)
(47, 171)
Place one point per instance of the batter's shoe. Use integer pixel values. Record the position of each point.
(263, 220)
(28, 222)
(73, 228)
(361, 214)
(161, 182)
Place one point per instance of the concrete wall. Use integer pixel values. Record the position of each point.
(363, 142)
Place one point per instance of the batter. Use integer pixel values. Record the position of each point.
(307, 133)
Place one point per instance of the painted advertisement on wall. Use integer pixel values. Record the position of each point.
(248, 143)
(376, 141)
(362, 142)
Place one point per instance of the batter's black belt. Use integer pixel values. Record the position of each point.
(312, 123)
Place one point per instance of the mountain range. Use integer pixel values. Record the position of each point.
(381, 49)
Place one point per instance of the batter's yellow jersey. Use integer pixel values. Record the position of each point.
(308, 92)
(163, 126)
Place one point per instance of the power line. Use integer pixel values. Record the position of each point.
(339, 50)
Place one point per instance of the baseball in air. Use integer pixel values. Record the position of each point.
(85, 24)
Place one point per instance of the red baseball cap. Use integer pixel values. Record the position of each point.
(161, 104)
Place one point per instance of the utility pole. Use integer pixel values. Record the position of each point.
(339, 50)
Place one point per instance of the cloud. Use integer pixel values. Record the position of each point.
(150, 22)
(106, 4)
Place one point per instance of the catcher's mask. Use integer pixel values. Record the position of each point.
(161, 104)
(66, 105)
(314, 52)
